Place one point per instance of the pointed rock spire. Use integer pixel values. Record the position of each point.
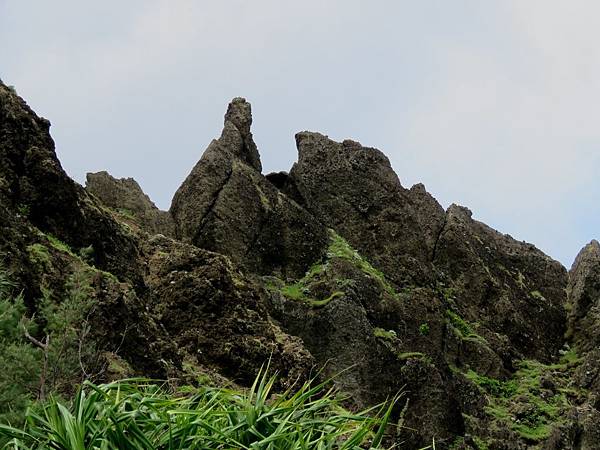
(236, 135)
(226, 205)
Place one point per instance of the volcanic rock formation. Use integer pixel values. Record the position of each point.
(126, 197)
(334, 266)
(227, 206)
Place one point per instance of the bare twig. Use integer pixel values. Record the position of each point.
(45, 345)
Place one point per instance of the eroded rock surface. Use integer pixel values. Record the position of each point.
(163, 308)
(584, 297)
(33, 183)
(127, 198)
(334, 264)
(354, 190)
(509, 286)
(226, 205)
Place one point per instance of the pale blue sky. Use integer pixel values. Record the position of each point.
(491, 104)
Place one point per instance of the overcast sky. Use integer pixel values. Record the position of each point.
(491, 104)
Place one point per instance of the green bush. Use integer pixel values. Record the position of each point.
(20, 361)
(135, 414)
(39, 360)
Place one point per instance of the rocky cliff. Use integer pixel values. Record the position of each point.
(334, 266)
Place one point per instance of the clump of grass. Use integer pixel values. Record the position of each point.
(135, 414)
(463, 329)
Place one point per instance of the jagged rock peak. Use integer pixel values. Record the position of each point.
(354, 190)
(236, 135)
(459, 211)
(226, 205)
(590, 252)
(584, 297)
(126, 197)
(239, 112)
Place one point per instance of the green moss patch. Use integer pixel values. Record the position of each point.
(534, 400)
(300, 290)
(463, 329)
(339, 248)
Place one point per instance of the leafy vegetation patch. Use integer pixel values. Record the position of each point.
(38, 255)
(126, 213)
(389, 335)
(19, 360)
(59, 245)
(135, 414)
(537, 295)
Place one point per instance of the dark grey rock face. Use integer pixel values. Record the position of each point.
(354, 190)
(584, 297)
(509, 286)
(226, 205)
(125, 196)
(33, 182)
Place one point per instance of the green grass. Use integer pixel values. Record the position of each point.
(136, 414)
(493, 386)
(294, 291)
